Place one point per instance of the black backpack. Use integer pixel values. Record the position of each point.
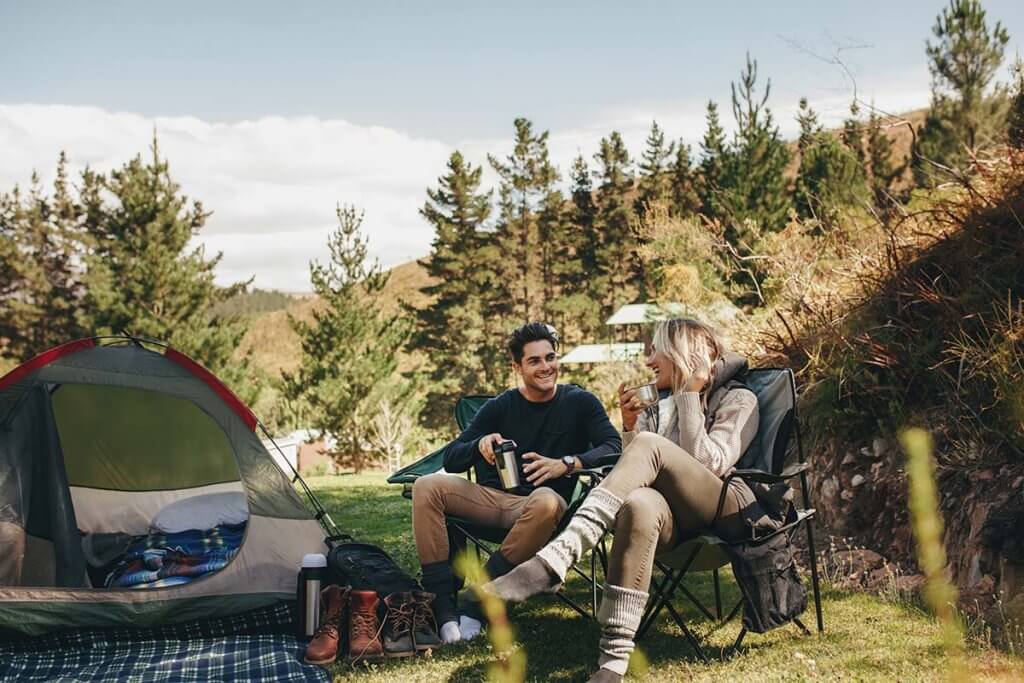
(766, 573)
(365, 566)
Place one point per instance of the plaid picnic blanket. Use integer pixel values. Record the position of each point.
(249, 647)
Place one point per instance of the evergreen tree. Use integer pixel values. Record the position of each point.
(884, 173)
(685, 198)
(462, 353)
(655, 179)
(144, 279)
(527, 176)
(853, 135)
(714, 158)
(618, 256)
(1015, 116)
(349, 349)
(40, 260)
(964, 115)
(830, 177)
(582, 277)
(753, 189)
(754, 182)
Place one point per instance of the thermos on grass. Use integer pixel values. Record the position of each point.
(312, 578)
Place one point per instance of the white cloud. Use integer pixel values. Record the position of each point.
(273, 183)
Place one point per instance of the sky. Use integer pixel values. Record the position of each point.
(272, 113)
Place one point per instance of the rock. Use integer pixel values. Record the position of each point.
(983, 475)
(878, 447)
(857, 480)
(850, 459)
(859, 561)
(829, 488)
(847, 494)
(1017, 482)
(866, 452)
(876, 468)
(909, 584)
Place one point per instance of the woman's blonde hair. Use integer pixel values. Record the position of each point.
(686, 342)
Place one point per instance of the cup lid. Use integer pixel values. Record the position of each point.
(314, 560)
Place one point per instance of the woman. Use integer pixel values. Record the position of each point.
(664, 488)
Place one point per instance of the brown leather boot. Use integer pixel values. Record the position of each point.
(363, 626)
(323, 648)
(397, 640)
(424, 626)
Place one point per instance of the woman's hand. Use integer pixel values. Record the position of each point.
(630, 407)
(699, 378)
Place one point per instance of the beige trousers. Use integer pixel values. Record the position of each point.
(668, 496)
(531, 520)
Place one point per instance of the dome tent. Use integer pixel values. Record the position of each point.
(99, 435)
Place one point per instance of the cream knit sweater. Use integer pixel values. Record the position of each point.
(680, 419)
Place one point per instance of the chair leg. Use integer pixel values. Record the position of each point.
(803, 628)
(657, 592)
(814, 575)
(693, 598)
(694, 643)
(718, 595)
(739, 639)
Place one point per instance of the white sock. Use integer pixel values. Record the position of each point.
(592, 519)
(450, 632)
(469, 627)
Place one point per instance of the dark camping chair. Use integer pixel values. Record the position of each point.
(776, 397)
(486, 539)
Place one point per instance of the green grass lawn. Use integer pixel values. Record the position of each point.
(865, 637)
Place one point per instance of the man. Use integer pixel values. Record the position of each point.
(558, 429)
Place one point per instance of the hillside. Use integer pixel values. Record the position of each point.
(275, 347)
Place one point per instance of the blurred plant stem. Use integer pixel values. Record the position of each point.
(939, 593)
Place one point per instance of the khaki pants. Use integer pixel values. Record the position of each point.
(531, 520)
(668, 496)
(12, 553)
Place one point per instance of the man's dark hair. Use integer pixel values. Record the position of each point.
(530, 332)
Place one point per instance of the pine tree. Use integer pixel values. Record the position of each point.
(349, 349)
(830, 177)
(655, 180)
(853, 135)
(884, 173)
(451, 330)
(1015, 116)
(754, 183)
(753, 188)
(685, 198)
(527, 176)
(582, 277)
(714, 158)
(143, 277)
(618, 255)
(40, 260)
(964, 115)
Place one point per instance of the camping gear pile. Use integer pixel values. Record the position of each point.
(371, 609)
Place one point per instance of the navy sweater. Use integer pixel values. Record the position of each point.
(572, 423)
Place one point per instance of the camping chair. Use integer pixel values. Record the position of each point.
(775, 389)
(486, 539)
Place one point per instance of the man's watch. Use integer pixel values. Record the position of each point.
(570, 463)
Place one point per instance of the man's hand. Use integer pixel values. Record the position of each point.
(486, 446)
(629, 406)
(539, 469)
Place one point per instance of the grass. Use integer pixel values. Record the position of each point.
(865, 639)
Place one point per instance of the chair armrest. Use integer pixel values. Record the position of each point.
(768, 477)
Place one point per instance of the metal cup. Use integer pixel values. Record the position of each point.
(647, 394)
(505, 461)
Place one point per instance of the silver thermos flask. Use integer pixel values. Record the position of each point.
(312, 578)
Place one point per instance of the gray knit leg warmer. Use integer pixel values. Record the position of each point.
(592, 519)
(545, 572)
(619, 615)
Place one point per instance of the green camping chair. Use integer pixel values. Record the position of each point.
(486, 539)
(775, 389)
